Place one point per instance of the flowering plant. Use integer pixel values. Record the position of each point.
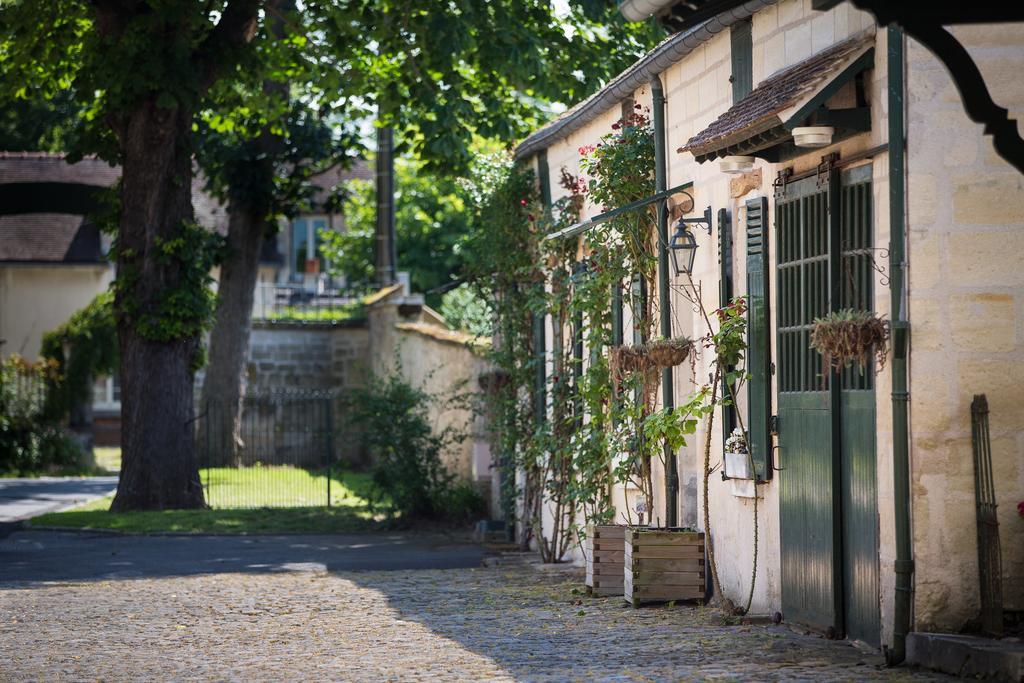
(737, 442)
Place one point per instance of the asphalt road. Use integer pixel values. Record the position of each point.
(40, 556)
(25, 498)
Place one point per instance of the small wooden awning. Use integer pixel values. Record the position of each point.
(764, 118)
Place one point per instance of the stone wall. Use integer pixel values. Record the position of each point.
(399, 332)
(446, 364)
(966, 237)
(307, 356)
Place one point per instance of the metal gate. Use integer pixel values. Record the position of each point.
(283, 456)
(829, 525)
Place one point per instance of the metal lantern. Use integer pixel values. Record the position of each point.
(683, 248)
(684, 245)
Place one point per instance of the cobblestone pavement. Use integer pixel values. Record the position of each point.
(440, 625)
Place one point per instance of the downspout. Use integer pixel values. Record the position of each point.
(904, 565)
(658, 106)
(386, 242)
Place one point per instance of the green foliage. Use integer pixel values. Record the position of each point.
(504, 270)
(328, 314)
(407, 469)
(463, 309)
(179, 312)
(31, 439)
(83, 348)
(430, 220)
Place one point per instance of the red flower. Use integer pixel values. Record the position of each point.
(1020, 508)
(616, 126)
(522, 202)
(530, 216)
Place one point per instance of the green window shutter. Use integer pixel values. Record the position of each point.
(725, 294)
(758, 348)
(742, 60)
(540, 397)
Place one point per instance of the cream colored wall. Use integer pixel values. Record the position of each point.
(966, 237)
(442, 364)
(698, 91)
(37, 299)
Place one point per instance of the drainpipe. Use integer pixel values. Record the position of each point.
(658, 106)
(904, 565)
(386, 260)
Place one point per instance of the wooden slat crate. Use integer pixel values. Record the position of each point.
(605, 558)
(663, 565)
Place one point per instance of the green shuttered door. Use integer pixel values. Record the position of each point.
(758, 347)
(828, 481)
(807, 504)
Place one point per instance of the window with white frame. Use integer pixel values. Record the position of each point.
(106, 394)
(305, 245)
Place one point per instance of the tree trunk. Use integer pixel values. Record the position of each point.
(224, 385)
(158, 468)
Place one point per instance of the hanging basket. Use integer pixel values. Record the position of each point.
(648, 359)
(850, 335)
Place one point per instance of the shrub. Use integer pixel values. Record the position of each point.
(463, 309)
(408, 475)
(31, 440)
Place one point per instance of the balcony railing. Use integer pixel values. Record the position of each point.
(299, 304)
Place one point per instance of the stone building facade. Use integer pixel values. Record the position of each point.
(964, 221)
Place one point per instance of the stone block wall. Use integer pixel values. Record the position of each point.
(966, 234)
(307, 357)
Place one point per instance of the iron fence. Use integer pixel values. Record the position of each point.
(24, 390)
(299, 304)
(283, 454)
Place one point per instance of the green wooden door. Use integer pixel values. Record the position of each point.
(857, 420)
(808, 511)
(828, 484)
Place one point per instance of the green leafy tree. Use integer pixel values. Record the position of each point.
(142, 72)
(431, 225)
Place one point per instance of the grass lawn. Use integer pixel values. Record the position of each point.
(107, 458)
(233, 494)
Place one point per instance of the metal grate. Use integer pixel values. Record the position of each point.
(857, 277)
(989, 553)
(284, 455)
(803, 272)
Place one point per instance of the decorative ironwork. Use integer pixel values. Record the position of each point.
(990, 563)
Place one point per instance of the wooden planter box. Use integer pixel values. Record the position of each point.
(663, 565)
(604, 551)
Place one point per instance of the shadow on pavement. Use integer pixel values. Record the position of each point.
(34, 557)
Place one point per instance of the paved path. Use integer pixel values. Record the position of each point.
(51, 556)
(494, 624)
(24, 498)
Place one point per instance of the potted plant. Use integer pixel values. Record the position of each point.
(604, 552)
(663, 565)
(850, 335)
(666, 563)
(737, 456)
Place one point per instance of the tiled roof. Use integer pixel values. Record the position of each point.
(760, 110)
(42, 167)
(325, 183)
(49, 238)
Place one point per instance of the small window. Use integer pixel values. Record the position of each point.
(300, 244)
(742, 60)
(306, 245)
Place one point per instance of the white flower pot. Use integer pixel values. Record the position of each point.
(737, 466)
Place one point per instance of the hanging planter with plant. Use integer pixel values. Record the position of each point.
(648, 360)
(737, 456)
(850, 335)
